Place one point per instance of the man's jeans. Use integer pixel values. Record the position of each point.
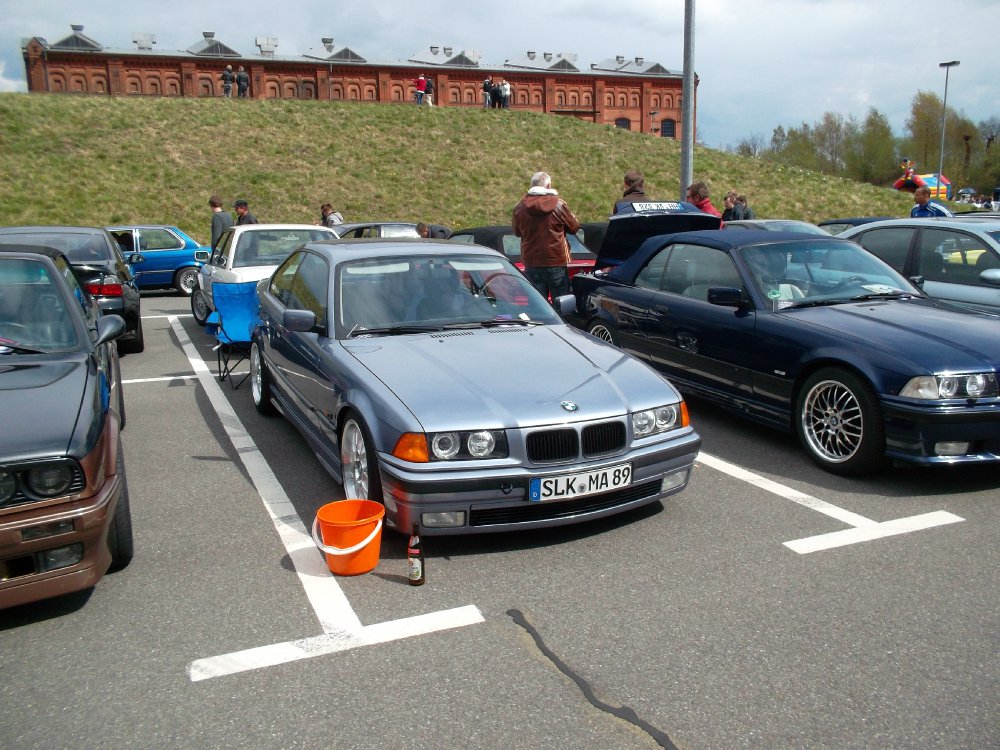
(549, 281)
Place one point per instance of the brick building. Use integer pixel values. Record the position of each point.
(629, 93)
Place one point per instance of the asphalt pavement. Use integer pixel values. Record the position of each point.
(769, 605)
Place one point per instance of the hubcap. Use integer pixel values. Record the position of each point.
(199, 306)
(354, 458)
(832, 421)
(602, 333)
(256, 384)
(188, 281)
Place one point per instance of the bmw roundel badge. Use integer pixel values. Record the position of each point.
(569, 406)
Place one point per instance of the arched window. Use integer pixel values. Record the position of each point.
(307, 90)
(560, 99)
(609, 99)
(205, 87)
(635, 100)
(99, 84)
(77, 83)
(133, 85)
(291, 90)
(370, 92)
(271, 90)
(173, 86)
(57, 82)
(353, 91)
(587, 100)
(153, 86)
(623, 100)
(654, 101)
(668, 128)
(398, 94)
(574, 99)
(337, 91)
(624, 123)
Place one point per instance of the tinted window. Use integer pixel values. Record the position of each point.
(33, 312)
(468, 239)
(949, 255)
(891, 244)
(281, 282)
(309, 288)
(651, 277)
(692, 270)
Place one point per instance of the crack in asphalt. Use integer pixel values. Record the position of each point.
(624, 713)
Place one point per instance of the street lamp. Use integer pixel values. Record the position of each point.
(944, 110)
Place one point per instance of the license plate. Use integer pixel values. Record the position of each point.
(569, 486)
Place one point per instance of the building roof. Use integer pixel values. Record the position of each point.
(559, 61)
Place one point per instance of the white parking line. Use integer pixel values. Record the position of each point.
(865, 529)
(342, 629)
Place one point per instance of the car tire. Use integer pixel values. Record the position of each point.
(120, 542)
(601, 330)
(839, 422)
(186, 281)
(134, 343)
(199, 307)
(260, 382)
(358, 462)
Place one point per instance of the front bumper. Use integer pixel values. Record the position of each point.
(912, 432)
(20, 580)
(497, 500)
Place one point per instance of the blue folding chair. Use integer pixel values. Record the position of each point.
(236, 313)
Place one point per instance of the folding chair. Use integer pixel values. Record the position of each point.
(234, 318)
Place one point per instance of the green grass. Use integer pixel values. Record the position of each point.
(101, 160)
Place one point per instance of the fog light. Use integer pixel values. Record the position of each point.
(442, 520)
(60, 557)
(952, 448)
(675, 480)
(47, 529)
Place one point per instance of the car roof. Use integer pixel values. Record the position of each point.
(357, 248)
(730, 240)
(264, 227)
(51, 230)
(854, 220)
(487, 231)
(968, 223)
(143, 226)
(626, 232)
(20, 249)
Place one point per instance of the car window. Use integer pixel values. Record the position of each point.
(468, 239)
(281, 282)
(890, 244)
(949, 255)
(158, 239)
(692, 270)
(33, 313)
(399, 231)
(512, 246)
(309, 288)
(221, 251)
(269, 247)
(651, 277)
(577, 249)
(90, 310)
(125, 240)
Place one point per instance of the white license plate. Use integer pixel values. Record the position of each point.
(570, 486)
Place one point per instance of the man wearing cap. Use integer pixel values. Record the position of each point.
(243, 213)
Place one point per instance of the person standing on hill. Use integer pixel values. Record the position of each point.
(242, 83)
(697, 193)
(741, 203)
(542, 220)
(228, 78)
(634, 192)
(243, 213)
(329, 217)
(421, 84)
(922, 206)
(429, 92)
(221, 220)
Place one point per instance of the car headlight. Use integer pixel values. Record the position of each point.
(50, 480)
(468, 445)
(8, 485)
(964, 385)
(42, 480)
(660, 419)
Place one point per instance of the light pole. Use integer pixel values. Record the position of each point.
(944, 111)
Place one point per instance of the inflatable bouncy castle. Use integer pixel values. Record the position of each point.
(910, 181)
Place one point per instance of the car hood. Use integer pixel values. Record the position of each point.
(626, 232)
(926, 333)
(43, 399)
(509, 377)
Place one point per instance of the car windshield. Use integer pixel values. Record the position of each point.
(34, 316)
(401, 295)
(270, 247)
(803, 273)
(79, 247)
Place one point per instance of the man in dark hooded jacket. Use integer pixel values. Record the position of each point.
(634, 191)
(542, 219)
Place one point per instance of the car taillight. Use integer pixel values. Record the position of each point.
(105, 288)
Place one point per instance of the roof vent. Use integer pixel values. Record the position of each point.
(144, 41)
(208, 34)
(620, 59)
(447, 51)
(267, 45)
(547, 56)
(638, 61)
(531, 55)
(77, 27)
(328, 43)
(435, 49)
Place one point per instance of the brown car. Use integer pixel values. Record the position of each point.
(64, 506)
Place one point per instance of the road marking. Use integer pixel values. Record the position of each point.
(158, 380)
(342, 629)
(167, 316)
(865, 529)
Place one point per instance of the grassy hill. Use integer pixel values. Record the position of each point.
(102, 160)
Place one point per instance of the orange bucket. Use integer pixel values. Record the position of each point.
(351, 532)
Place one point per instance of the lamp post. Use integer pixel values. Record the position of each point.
(944, 111)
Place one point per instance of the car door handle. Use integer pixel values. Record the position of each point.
(665, 309)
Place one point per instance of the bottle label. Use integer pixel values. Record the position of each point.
(415, 568)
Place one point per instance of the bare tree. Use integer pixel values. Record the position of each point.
(752, 146)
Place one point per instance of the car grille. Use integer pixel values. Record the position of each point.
(530, 512)
(564, 444)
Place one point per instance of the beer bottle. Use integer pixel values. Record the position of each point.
(415, 558)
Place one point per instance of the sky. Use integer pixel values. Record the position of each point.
(761, 63)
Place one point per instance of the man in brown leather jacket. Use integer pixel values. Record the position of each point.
(542, 219)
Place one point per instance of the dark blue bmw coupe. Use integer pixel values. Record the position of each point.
(806, 333)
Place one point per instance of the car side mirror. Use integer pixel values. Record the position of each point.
(990, 276)
(109, 327)
(302, 321)
(917, 281)
(135, 258)
(201, 256)
(725, 297)
(566, 304)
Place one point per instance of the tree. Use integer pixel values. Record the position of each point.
(923, 126)
(752, 146)
(870, 153)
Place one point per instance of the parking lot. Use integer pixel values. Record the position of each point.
(769, 605)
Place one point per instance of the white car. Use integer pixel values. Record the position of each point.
(250, 252)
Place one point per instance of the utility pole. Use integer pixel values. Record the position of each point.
(687, 101)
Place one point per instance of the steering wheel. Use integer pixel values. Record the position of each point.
(851, 279)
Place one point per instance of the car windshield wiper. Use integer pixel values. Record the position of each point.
(817, 303)
(895, 294)
(12, 348)
(397, 330)
(493, 322)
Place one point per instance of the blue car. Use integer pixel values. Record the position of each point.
(162, 256)
(807, 333)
